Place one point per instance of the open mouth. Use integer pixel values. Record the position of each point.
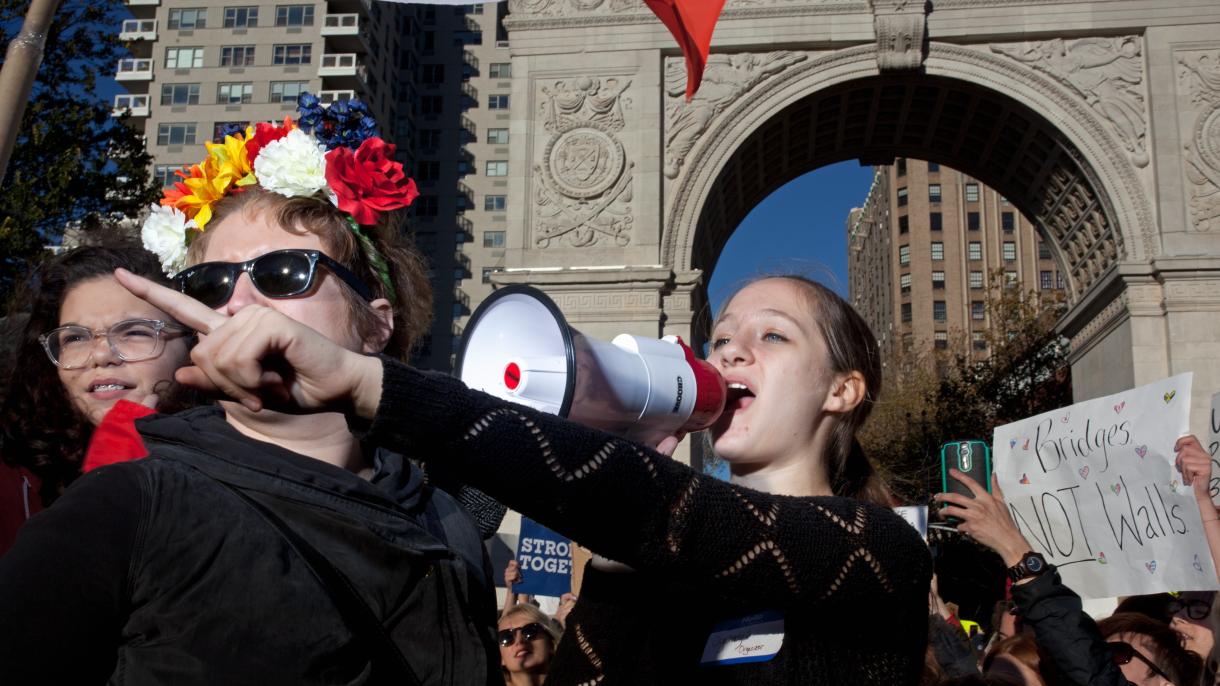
(739, 396)
(108, 386)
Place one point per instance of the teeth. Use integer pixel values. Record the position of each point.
(109, 387)
(738, 387)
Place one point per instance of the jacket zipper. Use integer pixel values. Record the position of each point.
(25, 495)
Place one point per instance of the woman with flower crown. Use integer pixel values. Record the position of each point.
(252, 545)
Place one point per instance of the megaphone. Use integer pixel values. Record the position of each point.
(518, 346)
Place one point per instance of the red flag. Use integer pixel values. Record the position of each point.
(691, 22)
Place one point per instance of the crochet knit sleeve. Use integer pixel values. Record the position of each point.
(651, 512)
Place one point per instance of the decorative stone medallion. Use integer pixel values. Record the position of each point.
(584, 161)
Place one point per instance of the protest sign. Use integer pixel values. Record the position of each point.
(1093, 488)
(916, 516)
(545, 558)
(1211, 443)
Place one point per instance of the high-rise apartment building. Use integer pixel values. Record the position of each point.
(922, 252)
(435, 77)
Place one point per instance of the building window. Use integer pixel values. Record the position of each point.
(195, 18)
(176, 134)
(165, 174)
(180, 94)
(978, 309)
(934, 192)
(429, 170)
(287, 91)
(501, 70)
(497, 102)
(1045, 280)
(901, 166)
(972, 192)
(241, 17)
(495, 203)
(938, 251)
(237, 56)
(972, 221)
(473, 9)
(234, 93)
(497, 136)
(425, 206)
(935, 221)
(976, 339)
(906, 312)
(902, 197)
(223, 128)
(1059, 280)
(940, 339)
(183, 58)
(938, 280)
(933, 167)
(431, 105)
(493, 239)
(1008, 221)
(497, 168)
(292, 54)
(939, 313)
(974, 251)
(904, 224)
(1009, 251)
(1044, 250)
(904, 255)
(1010, 278)
(429, 139)
(904, 283)
(976, 279)
(433, 73)
(294, 15)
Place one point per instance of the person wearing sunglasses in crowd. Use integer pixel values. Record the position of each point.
(256, 546)
(87, 344)
(1190, 614)
(527, 642)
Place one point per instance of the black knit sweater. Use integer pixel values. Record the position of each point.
(851, 579)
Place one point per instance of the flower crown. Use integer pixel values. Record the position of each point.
(331, 153)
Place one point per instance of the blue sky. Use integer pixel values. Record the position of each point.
(799, 228)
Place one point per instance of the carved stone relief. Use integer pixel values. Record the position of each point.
(1199, 74)
(725, 79)
(901, 28)
(584, 175)
(1107, 72)
(559, 8)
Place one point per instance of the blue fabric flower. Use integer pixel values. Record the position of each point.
(345, 122)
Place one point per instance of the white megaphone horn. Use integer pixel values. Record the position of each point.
(519, 347)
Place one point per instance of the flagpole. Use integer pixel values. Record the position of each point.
(21, 62)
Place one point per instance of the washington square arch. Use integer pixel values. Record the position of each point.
(1099, 119)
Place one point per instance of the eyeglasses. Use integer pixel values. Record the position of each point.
(278, 274)
(1122, 653)
(131, 340)
(1195, 609)
(528, 633)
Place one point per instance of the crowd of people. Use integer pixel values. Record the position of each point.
(288, 501)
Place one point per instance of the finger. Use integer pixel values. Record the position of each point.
(959, 512)
(995, 488)
(955, 499)
(150, 401)
(973, 485)
(667, 446)
(1188, 441)
(220, 381)
(180, 306)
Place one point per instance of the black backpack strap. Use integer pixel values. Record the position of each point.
(389, 664)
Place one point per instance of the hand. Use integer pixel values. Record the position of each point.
(1195, 466)
(936, 605)
(512, 575)
(566, 602)
(986, 518)
(669, 444)
(262, 358)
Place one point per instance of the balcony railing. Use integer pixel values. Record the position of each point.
(332, 96)
(341, 25)
(138, 29)
(339, 64)
(135, 105)
(465, 197)
(465, 232)
(470, 129)
(132, 69)
(152, 3)
(470, 64)
(471, 94)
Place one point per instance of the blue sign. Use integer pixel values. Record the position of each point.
(545, 558)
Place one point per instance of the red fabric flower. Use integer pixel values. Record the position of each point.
(368, 181)
(264, 134)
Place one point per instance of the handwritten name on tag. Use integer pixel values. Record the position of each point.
(756, 638)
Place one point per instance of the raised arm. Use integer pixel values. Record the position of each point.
(1195, 466)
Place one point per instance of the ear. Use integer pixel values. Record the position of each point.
(845, 393)
(385, 312)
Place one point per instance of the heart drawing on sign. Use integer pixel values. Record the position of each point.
(1169, 396)
(1141, 450)
(1025, 479)
(1026, 445)
(1117, 488)
(1197, 565)
(1084, 472)
(1174, 484)
(1101, 558)
(1065, 418)
(1012, 443)
(1119, 407)
(1151, 565)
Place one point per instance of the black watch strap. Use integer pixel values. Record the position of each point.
(1032, 564)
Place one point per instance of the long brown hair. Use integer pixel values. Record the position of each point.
(850, 347)
(408, 288)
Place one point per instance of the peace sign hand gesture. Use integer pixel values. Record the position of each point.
(262, 358)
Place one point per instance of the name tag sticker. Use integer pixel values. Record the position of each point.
(756, 638)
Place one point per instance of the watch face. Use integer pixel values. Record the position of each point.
(1033, 564)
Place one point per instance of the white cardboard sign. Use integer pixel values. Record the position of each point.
(1211, 443)
(1093, 488)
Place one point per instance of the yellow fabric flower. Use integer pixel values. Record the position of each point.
(232, 161)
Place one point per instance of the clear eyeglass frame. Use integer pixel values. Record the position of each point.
(130, 340)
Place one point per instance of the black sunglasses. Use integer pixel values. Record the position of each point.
(1123, 652)
(278, 274)
(1195, 609)
(528, 633)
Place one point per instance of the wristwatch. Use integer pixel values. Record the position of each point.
(1031, 564)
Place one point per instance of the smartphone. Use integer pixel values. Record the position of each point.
(972, 458)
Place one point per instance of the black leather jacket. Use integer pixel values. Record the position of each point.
(153, 572)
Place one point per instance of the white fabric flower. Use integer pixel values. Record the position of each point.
(294, 165)
(164, 234)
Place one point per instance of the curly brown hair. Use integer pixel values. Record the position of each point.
(42, 430)
(411, 293)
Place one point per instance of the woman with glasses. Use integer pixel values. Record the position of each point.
(1189, 613)
(527, 640)
(86, 345)
(254, 545)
